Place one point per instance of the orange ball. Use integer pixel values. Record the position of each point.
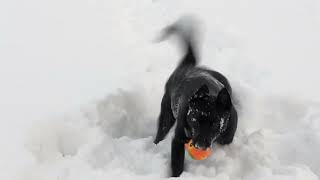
(197, 154)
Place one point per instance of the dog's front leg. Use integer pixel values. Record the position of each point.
(166, 119)
(177, 153)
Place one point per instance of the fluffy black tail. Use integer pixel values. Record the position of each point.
(185, 30)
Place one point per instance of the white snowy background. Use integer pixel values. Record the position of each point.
(81, 83)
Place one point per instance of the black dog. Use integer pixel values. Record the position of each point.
(199, 100)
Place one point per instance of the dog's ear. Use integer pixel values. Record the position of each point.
(224, 100)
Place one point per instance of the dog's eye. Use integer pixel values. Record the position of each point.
(193, 120)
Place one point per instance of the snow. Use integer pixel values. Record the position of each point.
(82, 81)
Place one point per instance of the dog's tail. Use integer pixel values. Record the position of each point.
(185, 30)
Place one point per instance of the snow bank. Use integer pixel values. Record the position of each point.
(113, 139)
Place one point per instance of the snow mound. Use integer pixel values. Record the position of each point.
(113, 138)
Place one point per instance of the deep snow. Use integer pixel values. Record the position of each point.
(81, 84)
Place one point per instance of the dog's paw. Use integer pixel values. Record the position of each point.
(156, 141)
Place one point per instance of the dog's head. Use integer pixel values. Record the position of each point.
(207, 116)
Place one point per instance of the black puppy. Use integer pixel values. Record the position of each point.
(199, 100)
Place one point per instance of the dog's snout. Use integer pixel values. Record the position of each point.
(202, 144)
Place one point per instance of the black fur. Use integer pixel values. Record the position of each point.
(199, 100)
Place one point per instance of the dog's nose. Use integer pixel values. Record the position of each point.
(202, 145)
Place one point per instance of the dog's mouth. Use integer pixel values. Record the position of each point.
(204, 143)
(197, 146)
(200, 143)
